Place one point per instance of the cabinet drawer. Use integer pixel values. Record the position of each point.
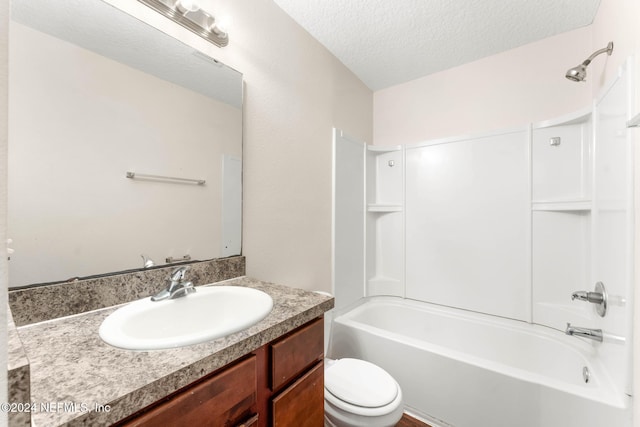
(302, 403)
(295, 352)
(227, 398)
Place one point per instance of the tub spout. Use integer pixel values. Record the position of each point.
(592, 334)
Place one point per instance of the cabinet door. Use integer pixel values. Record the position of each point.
(225, 399)
(295, 352)
(302, 403)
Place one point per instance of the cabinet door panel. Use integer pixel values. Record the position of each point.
(296, 352)
(302, 403)
(225, 399)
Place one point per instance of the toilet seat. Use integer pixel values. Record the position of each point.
(361, 388)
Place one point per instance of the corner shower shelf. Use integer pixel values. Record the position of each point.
(382, 208)
(562, 205)
(634, 122)
(383, 148)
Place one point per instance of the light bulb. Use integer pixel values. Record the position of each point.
(188, 5)
(222, 25)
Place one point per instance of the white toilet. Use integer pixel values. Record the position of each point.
(358, 393)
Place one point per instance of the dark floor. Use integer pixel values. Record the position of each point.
(407, 421)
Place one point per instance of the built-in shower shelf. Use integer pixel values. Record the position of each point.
(634, 122)
(382, 208)
(383, 148)
(562, 206)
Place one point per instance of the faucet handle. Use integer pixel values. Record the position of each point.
(178, 274)
(146, 261)
(177, 287)
(598, 297)
(580, 295)
(593, 297)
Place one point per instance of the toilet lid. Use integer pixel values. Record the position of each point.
(360, 383)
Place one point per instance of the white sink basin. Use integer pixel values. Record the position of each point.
(209, 313)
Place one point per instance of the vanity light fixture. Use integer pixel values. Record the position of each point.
(188, 14)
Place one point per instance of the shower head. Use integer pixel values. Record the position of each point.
(579, 73)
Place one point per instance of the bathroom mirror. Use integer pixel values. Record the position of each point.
(94, 94)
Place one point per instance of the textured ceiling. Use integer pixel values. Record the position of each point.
(387, 42)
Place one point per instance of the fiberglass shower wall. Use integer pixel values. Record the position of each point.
(368, 220)
(467, 222)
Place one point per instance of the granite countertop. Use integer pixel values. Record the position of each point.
(77, 379)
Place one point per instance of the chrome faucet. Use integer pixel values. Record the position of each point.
(147, 262)
(177, 287)
(592, 297)
(598, 297)
(592, 334)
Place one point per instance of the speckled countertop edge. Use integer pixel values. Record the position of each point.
(16, 357)
(17, 373)
(70, 364)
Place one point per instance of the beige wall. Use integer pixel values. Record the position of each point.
(508, 89)
(295, 92)
(617, 21)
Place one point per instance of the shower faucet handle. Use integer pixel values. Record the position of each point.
(598, 297)
(593, 297)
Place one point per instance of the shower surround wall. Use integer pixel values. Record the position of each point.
(467, 224)
(508, 223)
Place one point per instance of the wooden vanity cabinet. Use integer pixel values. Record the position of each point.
(281, 384)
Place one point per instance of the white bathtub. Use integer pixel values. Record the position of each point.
(463, 369)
